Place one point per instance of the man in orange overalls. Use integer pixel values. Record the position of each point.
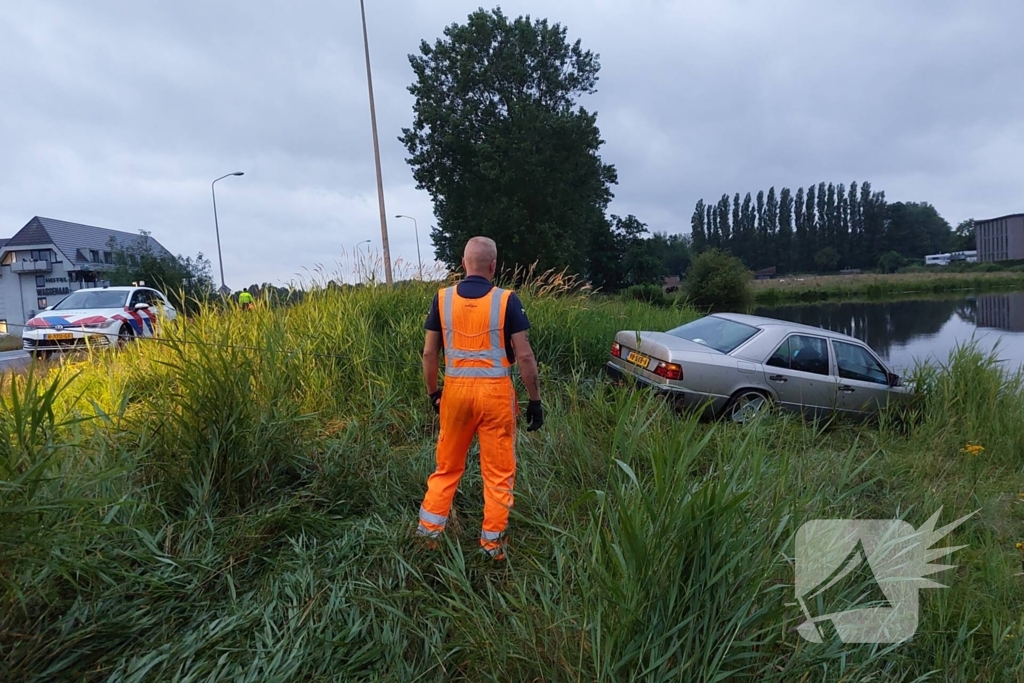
(482, 331)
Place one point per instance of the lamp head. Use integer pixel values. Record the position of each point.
(237, 173)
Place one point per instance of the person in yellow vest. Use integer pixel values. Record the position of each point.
(245, 300)
(481, 329)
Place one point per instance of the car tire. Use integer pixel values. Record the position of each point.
(748, 404)
(125, 335)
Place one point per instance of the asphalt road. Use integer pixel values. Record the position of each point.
(13, 360)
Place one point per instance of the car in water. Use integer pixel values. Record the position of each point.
(97, 317)
(737, 366)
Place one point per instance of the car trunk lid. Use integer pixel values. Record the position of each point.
(653, 352)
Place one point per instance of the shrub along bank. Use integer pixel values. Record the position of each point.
(236, 503)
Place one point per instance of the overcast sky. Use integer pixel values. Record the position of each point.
(121, 113)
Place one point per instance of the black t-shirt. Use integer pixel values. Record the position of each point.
(476, 287)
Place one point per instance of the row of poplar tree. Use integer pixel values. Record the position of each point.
(823, 228)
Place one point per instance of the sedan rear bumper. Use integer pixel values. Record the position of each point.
(682, 397)
(619, 374)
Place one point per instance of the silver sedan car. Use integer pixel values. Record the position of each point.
(736, 366)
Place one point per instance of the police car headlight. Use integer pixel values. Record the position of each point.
(99, 326)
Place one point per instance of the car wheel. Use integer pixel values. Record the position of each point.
(125, 335)
(748, 405)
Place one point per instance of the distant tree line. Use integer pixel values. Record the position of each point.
(819, 229)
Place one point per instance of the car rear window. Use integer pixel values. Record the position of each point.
(718, 333)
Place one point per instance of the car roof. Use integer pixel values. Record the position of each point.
(763, 321)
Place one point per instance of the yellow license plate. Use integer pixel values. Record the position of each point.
(637, 358)
(60, 335)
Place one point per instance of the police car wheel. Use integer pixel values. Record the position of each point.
(125, 335)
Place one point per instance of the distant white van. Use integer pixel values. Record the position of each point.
(971, 256)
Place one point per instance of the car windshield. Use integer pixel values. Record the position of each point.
(718, 333)
(92, 298)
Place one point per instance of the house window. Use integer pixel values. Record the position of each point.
(94, 256)
(9, 258)
(41, 303)
(108, 257)
(3, 327)
(40, 254)
(40, 280)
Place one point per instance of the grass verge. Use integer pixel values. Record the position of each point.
(797, 289)
(236, 504)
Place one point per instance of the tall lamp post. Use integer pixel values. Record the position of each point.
(216, 226)
(376, 153)
(417, 231)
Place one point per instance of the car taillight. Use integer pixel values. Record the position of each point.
(616, 350)
(669, 370)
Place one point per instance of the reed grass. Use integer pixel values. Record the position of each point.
(236, 502)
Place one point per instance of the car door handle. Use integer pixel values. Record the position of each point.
(777, 378)
(846, 388)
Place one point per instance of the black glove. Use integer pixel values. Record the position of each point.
(435, 401)
(535, 414)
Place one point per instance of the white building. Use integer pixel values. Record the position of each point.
(48, 259)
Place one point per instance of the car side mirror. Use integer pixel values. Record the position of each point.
(141, 305)
(895, 380)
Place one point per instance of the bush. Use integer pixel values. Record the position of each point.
(890, 262)
(718, 280)
(651, 294)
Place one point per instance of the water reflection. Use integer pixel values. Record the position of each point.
(922, 329)
(1001, 311)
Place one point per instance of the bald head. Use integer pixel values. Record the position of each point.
(480, 257)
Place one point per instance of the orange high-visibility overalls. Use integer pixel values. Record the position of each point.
(477, 398)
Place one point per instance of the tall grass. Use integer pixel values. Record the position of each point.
(236, 502)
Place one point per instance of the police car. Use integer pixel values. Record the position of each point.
(100, 317)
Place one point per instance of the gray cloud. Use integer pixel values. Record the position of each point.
(121, 113)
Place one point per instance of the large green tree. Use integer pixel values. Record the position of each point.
(503, 148)
(184, 280)
(963, 238)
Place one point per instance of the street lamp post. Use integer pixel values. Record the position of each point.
(417, 231)
(376, 153)
(216, 226)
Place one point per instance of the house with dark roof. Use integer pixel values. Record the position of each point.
(48, 259)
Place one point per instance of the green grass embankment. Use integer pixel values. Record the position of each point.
(237, 503)
(796, 289)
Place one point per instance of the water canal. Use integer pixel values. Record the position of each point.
(906, 331)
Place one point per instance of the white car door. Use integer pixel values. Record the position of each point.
(160, 308)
